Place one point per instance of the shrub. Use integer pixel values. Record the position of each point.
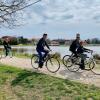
(97, 56)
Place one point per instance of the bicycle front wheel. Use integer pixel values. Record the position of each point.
(52, 65)
(89, 64)
(95, 68)
(35, 61)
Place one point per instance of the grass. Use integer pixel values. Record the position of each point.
(18, 84)
(21, 55)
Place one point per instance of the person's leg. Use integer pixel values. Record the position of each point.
(46, 52)
(6, 51)
(82, 66)
(40, 59)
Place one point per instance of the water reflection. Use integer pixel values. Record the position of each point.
(62, 50)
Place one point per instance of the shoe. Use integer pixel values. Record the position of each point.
(40, 66)
(82, 67)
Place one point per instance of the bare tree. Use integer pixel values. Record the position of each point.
(10, 10)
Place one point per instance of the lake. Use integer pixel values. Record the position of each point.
(60, 49)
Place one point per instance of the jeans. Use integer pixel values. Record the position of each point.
(41, 56)
(83, 57)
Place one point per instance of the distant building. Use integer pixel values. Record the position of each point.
(68, 42)
(54, 43)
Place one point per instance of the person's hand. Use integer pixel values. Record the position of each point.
(50, 50)
(91, 51)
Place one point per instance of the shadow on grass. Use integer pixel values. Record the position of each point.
(22, 76)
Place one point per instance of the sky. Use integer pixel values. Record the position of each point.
(60, 19)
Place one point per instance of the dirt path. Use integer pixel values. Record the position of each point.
(86, 77)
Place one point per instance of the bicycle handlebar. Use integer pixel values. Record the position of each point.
(91, 51)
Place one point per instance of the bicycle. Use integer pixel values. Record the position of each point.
(73, 63)
(96, 69)
(52, 63)
(3, 53)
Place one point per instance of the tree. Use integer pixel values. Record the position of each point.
(0, 41)
(22, 40)
(9, 10)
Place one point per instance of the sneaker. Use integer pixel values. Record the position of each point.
(82, 67)
(40, 66)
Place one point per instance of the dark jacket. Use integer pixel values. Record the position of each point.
(41, 44)
(74, 46)
(6, 45)
(81, 50)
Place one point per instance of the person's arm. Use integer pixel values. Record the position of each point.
(47, 45)
(4, 44)
(87, 50)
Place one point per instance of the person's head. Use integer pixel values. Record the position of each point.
(77, 36)
(7, 39)
(44, 36)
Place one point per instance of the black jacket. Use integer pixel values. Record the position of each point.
(41, 44)
(74, 46)
(6, 45)
(81, 49)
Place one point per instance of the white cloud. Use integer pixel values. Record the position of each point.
(62, 11)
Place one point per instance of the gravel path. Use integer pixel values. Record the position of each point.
(86, 77)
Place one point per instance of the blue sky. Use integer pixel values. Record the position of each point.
(60, 19)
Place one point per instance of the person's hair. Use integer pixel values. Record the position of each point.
(77, 35)
(81, 42)
(44, 34)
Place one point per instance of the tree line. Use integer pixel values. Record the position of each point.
(93, 41)
(26, 41)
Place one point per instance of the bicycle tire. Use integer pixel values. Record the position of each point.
(88, 68)
(34, 64)
(69, 67)
(51, 59)
(94, 68)
(64, 61)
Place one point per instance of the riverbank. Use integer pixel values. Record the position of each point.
(86, 77)
(18, 84)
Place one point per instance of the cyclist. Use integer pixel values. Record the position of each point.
(41, 49)
(80, 52)
(75, 44)
(7, 46)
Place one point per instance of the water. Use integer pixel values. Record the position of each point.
(60, 49)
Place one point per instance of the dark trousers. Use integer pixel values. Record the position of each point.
(41, 56)
(7, 49)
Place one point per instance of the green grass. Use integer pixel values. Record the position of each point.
(19, 55)
(18, 84)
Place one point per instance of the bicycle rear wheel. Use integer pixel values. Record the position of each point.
(70, 63)
(35, 61)
(65, 60)
(52, 65)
